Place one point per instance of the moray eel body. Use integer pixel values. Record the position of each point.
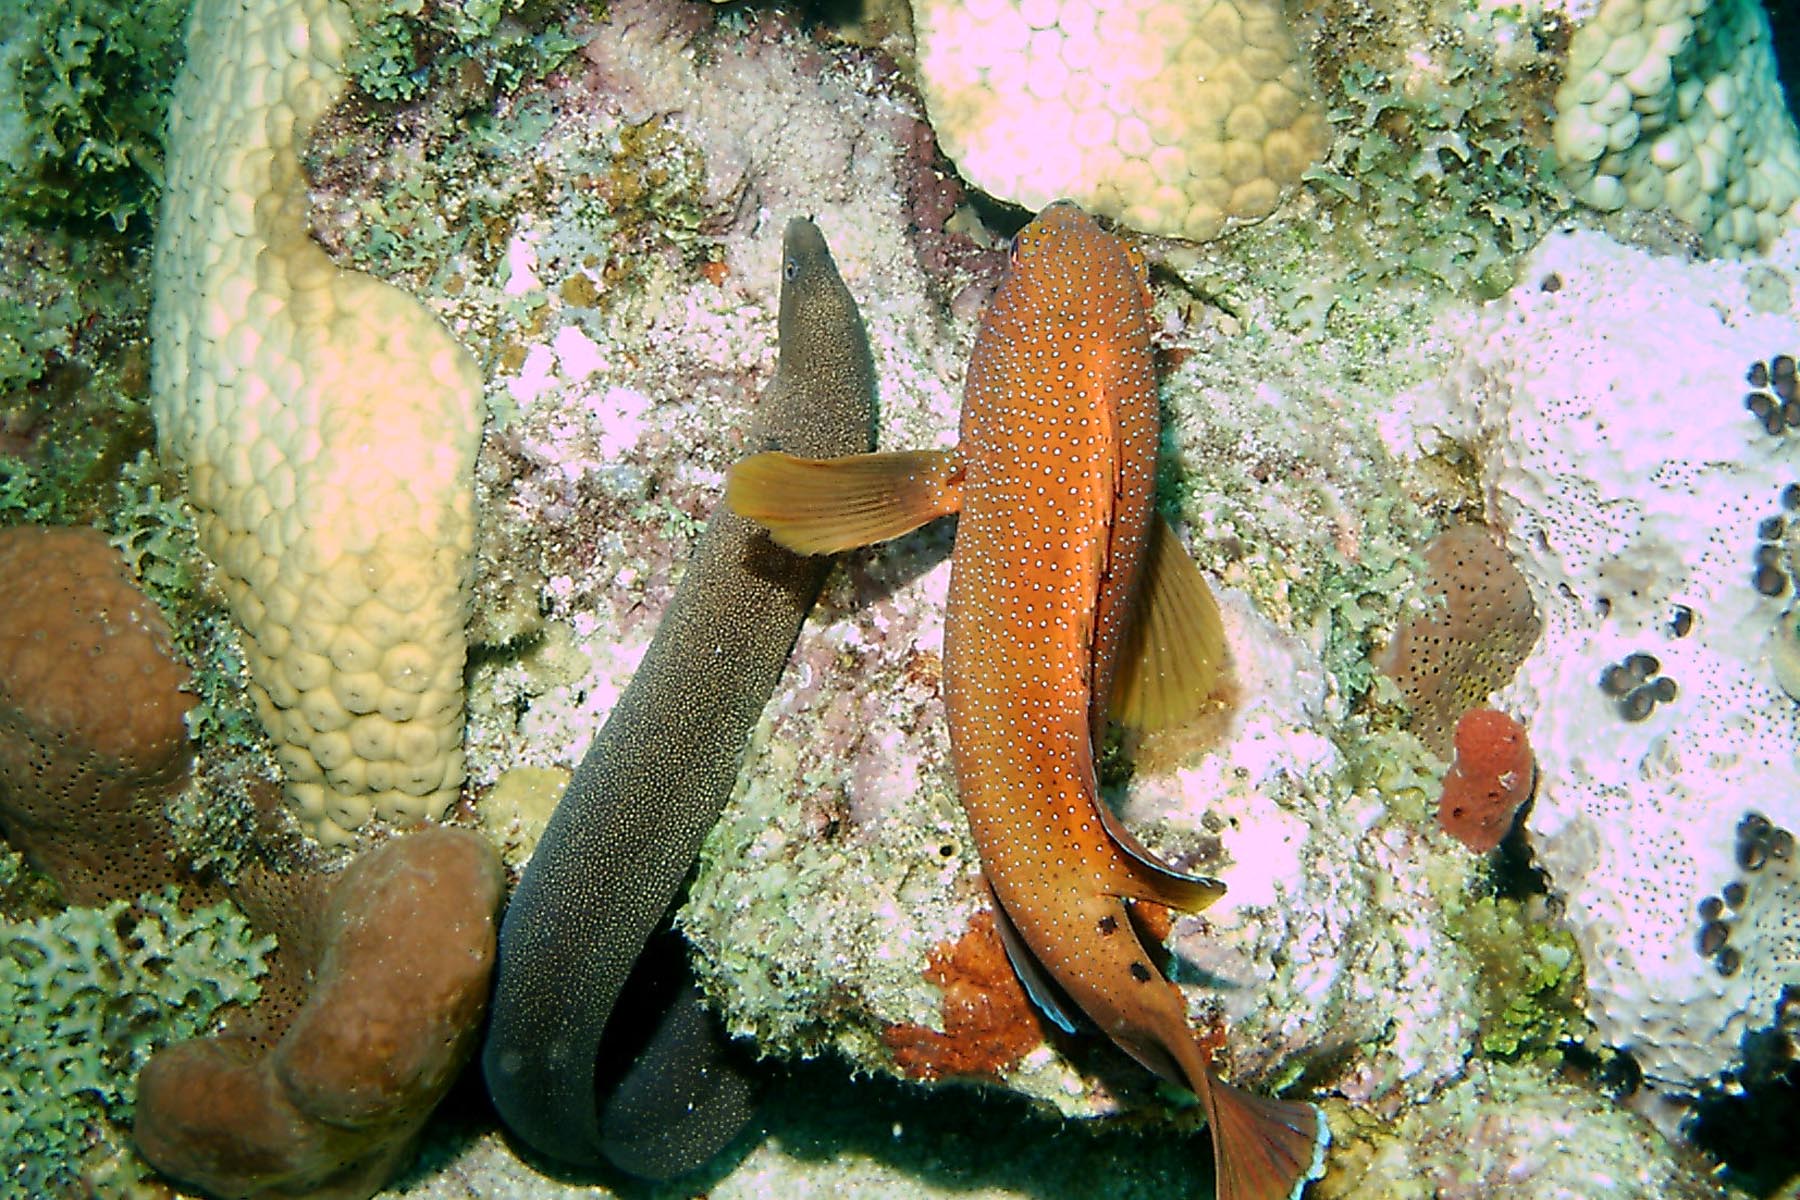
(626, 832)
(1056, 546)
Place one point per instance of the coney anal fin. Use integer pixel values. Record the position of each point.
(1144, 876)
(1173, 659)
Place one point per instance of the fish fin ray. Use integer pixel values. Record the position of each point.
(1173, 659)
(1263, 1149)
(824, 505)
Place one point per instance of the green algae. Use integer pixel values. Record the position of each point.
(86, 996)
(1440, 166)
(1531, 978)
(86, 86)
(407, 48)
(74, 373)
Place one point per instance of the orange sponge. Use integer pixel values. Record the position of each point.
(1490, 778)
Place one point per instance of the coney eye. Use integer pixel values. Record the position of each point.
(1013, 247)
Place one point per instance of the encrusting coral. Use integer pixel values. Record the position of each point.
(1656, 715)
(989, 1023)
(331, 1111)
(327, 424)
(91, 705)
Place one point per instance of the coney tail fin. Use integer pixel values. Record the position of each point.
(1263, 1149)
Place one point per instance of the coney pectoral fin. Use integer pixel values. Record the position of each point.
(1152, 878)
(1173, 659)
(824, 505)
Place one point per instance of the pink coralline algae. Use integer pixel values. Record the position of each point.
(1489, 780)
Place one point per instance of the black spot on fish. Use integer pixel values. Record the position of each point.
(1109, 925)
(1140, 972)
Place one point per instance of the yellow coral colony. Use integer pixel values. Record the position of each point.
(328, 425)
(1675, 105)
(1178, 117)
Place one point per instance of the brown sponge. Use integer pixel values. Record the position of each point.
(334, 1107)
(1447, 659)
(91, 704)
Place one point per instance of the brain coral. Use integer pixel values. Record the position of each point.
(1177, 118)
(1675, 105)
(91, 707)
(328, 426)
(1637, 503)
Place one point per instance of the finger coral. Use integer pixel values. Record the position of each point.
(1677, 106)
(1488, 781)
(91, 707)
(327, 424)
(333, 1109)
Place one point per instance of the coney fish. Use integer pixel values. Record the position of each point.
(1069, 601)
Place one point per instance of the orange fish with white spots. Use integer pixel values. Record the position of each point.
(1069, 600)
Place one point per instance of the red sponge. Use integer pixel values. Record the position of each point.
(1488, 781)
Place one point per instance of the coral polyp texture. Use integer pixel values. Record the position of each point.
(1178, 119)
(1676, 106)
(91, 708)
(1640, 504)
(327, 424)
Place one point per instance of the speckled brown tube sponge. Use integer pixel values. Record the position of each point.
(333, 1110)
(91, 706)
(1478, 626)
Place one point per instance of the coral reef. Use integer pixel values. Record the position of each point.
(327, 424)
(1676, 107)
(1598, 469)
(1488, 781)
(334, 1107)
(1509, 1133)
(93, 749)
(606, 231)
(1179, 119)
(91, 705)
